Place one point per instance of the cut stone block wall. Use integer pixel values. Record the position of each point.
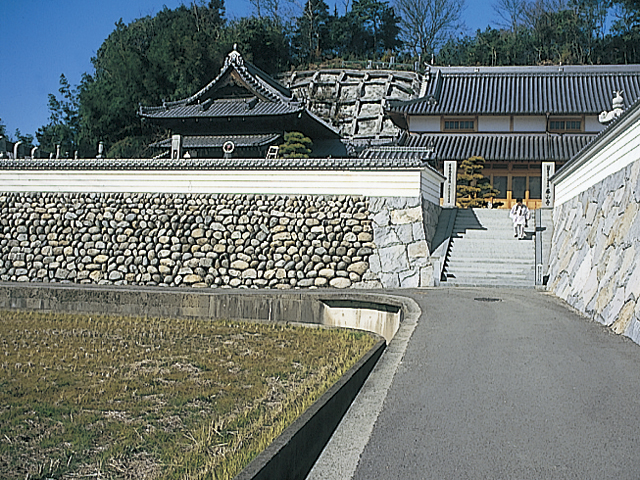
(198, 240)
(595, 255)
(403, 229)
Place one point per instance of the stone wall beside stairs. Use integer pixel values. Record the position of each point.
(403, 228)
(595, 256)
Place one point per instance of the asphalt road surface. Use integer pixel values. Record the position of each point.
(494, 384)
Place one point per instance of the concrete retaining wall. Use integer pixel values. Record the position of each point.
(202, 240)
(384, 313)
(595, 256)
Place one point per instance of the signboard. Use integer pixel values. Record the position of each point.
(449, 192)
(176, 146)
(548, 170)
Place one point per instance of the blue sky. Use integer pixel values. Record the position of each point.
(41, 39)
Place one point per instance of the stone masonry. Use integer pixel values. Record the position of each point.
(189, 240)
(403, 229)
(595, 257)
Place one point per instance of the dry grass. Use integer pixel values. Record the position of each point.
(110, 397)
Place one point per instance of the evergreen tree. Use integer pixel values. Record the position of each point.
(263, 42)
(64, 122)
(310, 39)
(295, 145)
(473, 188)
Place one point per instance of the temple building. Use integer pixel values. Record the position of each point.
(514, 117)
(241, 113)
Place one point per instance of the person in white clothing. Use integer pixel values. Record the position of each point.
(520, 215)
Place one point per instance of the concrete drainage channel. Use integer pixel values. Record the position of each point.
(293, 454)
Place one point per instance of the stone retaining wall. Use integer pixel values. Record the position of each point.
(199, 240)
(403, 229)
(595, 256)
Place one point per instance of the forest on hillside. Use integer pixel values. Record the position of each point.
(174, 53)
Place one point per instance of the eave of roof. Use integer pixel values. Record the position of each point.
(502, 147)
(223, 108)
(215, 141)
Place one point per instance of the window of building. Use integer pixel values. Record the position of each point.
(565, 125)
(500, 183)
(519, 187)
(535, 187)
(459, 125)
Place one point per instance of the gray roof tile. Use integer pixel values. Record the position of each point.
(213, 141)
(214, 164)
(522, 90)
(501, 147)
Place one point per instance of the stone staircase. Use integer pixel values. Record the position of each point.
(484, 252)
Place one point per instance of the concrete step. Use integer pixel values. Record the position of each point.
(488, 267)
(484, 252)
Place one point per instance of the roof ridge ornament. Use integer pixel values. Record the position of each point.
(618, 107)
(234, 57)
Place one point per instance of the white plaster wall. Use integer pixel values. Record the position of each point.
(396, 183)
(530, 123)
(494, 124)
(424, 124)
(592, 125)
(431, 182)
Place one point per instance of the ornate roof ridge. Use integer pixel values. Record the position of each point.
(234, 60)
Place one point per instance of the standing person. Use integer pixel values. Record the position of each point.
(520, 215)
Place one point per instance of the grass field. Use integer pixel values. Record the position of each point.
(111, 397)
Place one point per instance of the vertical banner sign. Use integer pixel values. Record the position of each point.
(176, 146)
(449, 193)
(548, 169)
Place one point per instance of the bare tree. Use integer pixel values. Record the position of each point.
(269, 8)
(511, 13)
(427, 24)
(538, 8)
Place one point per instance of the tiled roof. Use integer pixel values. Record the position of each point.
(225, 108)
(266, 98)
(212, 141)
(500, 147)
(423, 153)
(214, 164)
(522, 90)
(262, 84)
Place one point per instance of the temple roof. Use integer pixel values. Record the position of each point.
(217, 141)
(240, 91)
(492, 147)
(563, 90)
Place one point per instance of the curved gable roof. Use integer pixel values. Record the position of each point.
(265, 88)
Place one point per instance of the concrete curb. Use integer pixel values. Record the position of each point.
(292, 455)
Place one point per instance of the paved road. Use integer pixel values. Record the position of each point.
(522, 388)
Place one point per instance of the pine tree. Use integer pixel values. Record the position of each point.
(295, 145)
(474, 189)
